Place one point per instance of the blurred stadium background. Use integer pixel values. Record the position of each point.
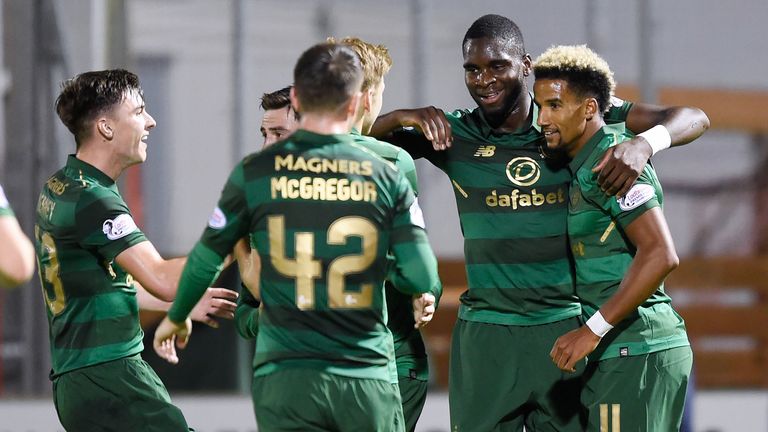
(204, 65)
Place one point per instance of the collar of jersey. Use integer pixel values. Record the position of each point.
(89, 170)
(487, 131)
(589, 147)
(302, 135)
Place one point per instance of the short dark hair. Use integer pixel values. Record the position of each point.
(497, 27)
(90, 94)
(587, 74)
(326, 76)
(278, 99)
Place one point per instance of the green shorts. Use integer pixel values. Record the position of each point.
(120, 395)
(637, 393)
(413, 393)
(310, 400)
(502, 378)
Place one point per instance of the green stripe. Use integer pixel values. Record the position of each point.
(531, 225)
(517, 276)
(515, 250)
(609, 268)
(69, 360)
(71, 335)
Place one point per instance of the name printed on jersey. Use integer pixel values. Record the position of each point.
(217, 220)
(637, 196)
(119, 227)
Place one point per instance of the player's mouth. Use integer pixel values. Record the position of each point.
(550, 134)
(490, 97)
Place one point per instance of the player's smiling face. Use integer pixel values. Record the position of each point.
(562, 114)
(495, 76)
(131, 124)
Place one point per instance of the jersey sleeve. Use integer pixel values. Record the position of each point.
(247, 315)
(405, 164)
(617, 111)
(104, 223)
(643, 196)
(5, 207)
(226, 226)
(415, 267)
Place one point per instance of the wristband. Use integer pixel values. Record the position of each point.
(598, 324)
(658, 137)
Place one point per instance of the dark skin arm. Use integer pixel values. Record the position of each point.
(621, 165)
(429, 120)
(654, 260)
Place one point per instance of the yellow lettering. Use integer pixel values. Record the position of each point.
(330, 165)
(492, 200)
(354, 167)
(366, 168)
(370, 191)
(343, 191)
(344, 166)
(315, 165)
(300, 164)
(525, 200)
(332, 188)
(56, 186)
(305, 188)
(538, 199)
(283, 162)
(278, 186)
(293, 188)
(551, 198)
(504, 201)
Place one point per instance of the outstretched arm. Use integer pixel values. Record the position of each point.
(658, 128)
(160, 277)
(215, 303)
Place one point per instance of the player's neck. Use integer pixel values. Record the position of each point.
(324, 125)
(591, 129)
(101, 160)
(517, 117)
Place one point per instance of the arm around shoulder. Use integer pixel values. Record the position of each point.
(684, 124)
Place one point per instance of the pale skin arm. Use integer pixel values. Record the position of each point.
(160, 277)
(654, 260)
(170, 335)
(423, 309)
(17, 255)
(217, 302)
(249, 265)
(621, 165)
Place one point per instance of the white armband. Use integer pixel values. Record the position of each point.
(598, 324)
(658, 137)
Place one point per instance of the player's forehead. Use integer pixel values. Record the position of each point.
(132, 98)
(276, 118)
(489, 49)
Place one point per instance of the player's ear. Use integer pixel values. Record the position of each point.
(368, 99)
(590, 108)
(295, 101)
(104, 128)
(354, 104)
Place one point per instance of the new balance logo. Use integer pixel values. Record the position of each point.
(485, 151)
